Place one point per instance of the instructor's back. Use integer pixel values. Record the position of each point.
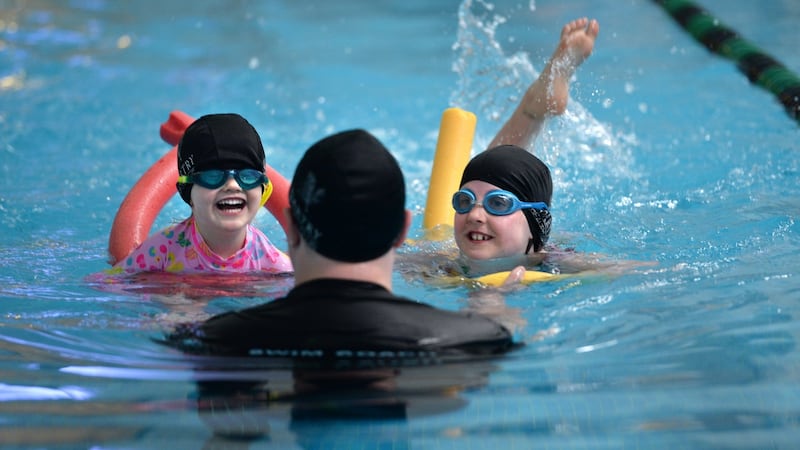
(346, 217)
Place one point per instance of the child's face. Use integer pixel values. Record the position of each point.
(481, 235)
(225, 209)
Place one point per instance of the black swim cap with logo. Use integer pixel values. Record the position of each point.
(518, 171)
(347, 197)
(218, 141)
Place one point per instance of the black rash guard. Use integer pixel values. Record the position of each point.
(333, 318)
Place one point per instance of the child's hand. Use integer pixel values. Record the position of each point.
(514, 277)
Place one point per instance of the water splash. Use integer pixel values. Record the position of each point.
(589, 160)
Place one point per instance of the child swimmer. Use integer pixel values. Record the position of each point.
(503, 218)
(502, 206)
(221, 165)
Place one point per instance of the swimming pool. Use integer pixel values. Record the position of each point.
(667, 154)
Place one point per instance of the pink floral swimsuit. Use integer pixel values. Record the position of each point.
(180, 248)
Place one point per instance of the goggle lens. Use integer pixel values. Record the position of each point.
(499, 204)
(463, 201)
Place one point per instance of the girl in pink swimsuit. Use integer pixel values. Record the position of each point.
(221, 166)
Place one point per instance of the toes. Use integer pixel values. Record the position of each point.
(593, 29)
(570, 27)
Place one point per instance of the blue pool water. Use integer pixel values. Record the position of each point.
(666, 154)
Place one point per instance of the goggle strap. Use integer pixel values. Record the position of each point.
(531, 242)
(266, 193)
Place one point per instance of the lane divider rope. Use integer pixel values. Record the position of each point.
(759, 67)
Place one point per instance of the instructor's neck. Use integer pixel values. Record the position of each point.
(311, 266)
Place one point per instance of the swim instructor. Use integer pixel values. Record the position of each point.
(346, 218)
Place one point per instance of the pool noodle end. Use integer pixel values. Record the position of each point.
(453, 149)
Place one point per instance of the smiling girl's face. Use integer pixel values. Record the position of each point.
(226, 210)
(480, 235)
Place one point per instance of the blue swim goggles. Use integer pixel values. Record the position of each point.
(496, 203)
(213, 179)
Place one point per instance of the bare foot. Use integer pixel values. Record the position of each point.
(548, 95)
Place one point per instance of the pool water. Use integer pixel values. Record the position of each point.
(667, 154)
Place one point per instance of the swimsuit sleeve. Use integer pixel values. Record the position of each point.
(161, 252)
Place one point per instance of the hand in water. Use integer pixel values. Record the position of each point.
(514, 277)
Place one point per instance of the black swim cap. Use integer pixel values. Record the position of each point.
(348, 197)
(518, 171)
(218, 141)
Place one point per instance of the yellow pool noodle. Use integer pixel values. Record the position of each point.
(453, 148)
(531, 276)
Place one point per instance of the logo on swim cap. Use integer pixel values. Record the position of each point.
(308, 195)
